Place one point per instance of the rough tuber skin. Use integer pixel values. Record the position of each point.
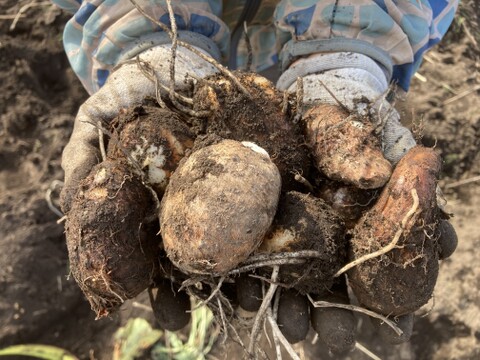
(345, 148)
(112, 250)
(155, 139)
(304, 222)
(219, 204)
(401, 280)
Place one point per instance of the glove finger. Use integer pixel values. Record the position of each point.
(170, 307)
(335, 326)
(396, 139)
(404, 322)
(79, 156)
(293, 315)
(447, 239)
(249, 292)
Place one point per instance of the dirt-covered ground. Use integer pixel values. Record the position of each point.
(38, 100)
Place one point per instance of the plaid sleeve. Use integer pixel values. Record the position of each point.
(402, 29)
(101, 31)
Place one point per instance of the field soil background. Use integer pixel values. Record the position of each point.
(39, 98)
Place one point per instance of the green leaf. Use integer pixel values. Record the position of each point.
(134, 338)
(46, 352)
(196, 346)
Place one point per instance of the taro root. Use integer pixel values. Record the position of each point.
(447, 239)
(345, 147)
(219, 204)
(249, 292)
(336, 327)
(170, 306)
(293, 315)
(155, 139)
(304, 222)
(111, 247)
(261, 119)
(401, 280)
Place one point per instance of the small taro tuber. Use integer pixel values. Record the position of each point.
(218, 206)
(304, 222)
(402, 279)
(112, 249)
(293, 315)
(335, 327)
(345, 147)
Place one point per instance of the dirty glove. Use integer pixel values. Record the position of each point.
(356, 82)
(124, 88)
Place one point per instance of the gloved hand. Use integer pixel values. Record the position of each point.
(360, 85)
(356, 84)
(125, 87)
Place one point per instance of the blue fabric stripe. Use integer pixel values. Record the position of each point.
(402, 74)
(301, 19)
(445, 22)
(181, 25)
(437, 7)
(381, 4)
(102, 76)
(203, 25)
(84, 13)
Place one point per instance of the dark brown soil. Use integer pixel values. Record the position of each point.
(39, 98)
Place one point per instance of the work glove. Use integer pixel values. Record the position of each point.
(360, 85)
(357, 85)
(125, 87)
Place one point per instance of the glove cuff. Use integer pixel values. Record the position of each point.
(319, 63)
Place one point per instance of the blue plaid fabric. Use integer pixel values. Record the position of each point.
(100, 30)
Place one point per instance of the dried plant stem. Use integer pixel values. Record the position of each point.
(326, 304)
(462, 182)
(335, 98)
(24, 8)
(264, 264)
(300, 94)
(367, 352)
(277, 334)
(212, 294)
(302, 254)
(133, 162)
(461, 95)
(262, 311)
(300, 179)
(388, 247)
(272, 317)
(249, 47)
(223, 319)
(200, 54)
(48, 198)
